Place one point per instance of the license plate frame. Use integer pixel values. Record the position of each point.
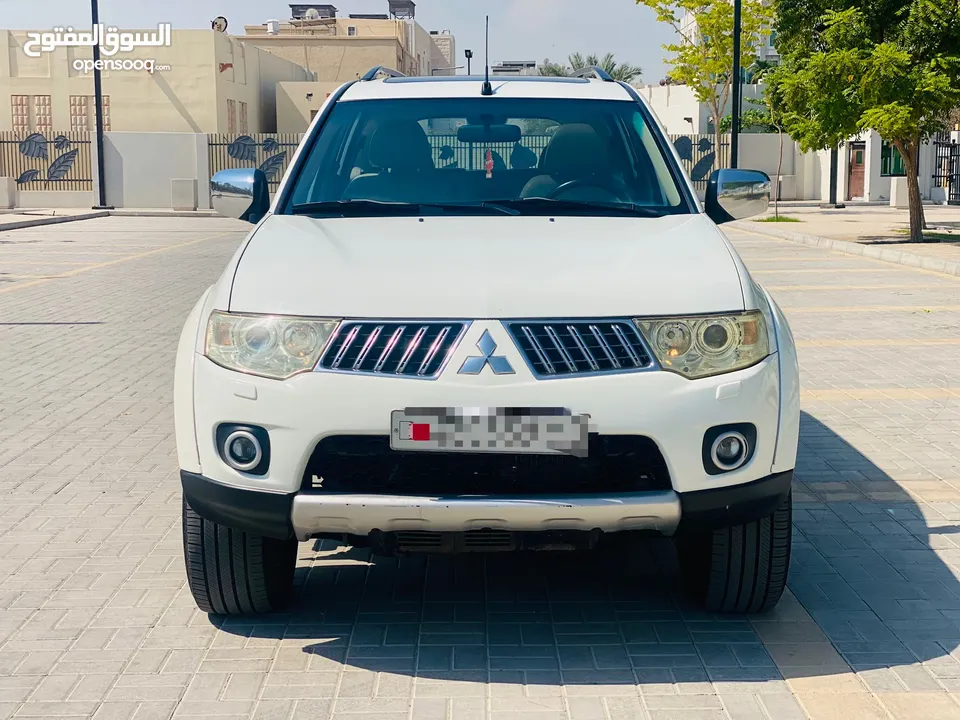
(490, 430)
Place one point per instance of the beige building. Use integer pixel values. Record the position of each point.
(340, 49)
(204, 82)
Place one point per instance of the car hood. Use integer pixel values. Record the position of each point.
(486, 267)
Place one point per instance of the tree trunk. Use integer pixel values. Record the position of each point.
(909, 154)
(776, 202)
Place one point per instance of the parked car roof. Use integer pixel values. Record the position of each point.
(464, 86)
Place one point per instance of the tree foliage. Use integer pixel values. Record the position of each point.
(702, 57)
(618, 71)
(892, 67)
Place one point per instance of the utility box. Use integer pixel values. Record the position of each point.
(899, 196)
(788, 187)
(8, 193)
(183, 193)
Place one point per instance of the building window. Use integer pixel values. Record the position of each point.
(243, 118)
(79, 112)
(773, 38)
(42, 113)
(31, 113)
(313, 114)
(351, 30)
(82, 116)
(105, 108)
(20, 113)
(231, 116)
(891, 162)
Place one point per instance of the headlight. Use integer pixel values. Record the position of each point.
(267, 345)
(697, 347)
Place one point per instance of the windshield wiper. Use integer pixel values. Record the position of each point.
(387, 208)
(552, 204)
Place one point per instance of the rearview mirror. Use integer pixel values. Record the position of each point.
(737, 194)
(240, 193)
(489, 133)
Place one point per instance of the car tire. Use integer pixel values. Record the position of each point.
(231, 572)
(739, 569)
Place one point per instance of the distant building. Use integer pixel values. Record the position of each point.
(337, 49)
(515, 67)
(214, 83)
(762, 47)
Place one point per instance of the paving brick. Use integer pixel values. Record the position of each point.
(96, 621)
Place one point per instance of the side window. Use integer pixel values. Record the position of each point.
(320, 177)
(653, 155)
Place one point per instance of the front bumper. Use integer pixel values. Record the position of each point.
(304, 515)
(673, 412)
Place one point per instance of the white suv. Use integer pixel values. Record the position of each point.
(486, 317)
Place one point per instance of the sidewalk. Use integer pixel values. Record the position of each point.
(872, 231)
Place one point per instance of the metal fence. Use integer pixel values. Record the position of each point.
(47, 161)
(699, 156)
(946, 167)
(449, 152)
(271, 152)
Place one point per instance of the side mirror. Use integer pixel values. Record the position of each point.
(240, 193)
(737, 194)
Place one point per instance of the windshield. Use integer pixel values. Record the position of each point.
(485, 155)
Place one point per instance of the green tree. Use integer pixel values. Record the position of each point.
(608, 63)
(755, 119)
(703, 56)
(893, 68)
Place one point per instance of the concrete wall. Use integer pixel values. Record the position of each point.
(139, 167)
(335, 59)
(297, 101)
(674, 103)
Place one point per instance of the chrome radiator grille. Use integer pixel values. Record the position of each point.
(580, 347)
(406, 349)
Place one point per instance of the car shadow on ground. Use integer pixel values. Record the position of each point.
(867, 593)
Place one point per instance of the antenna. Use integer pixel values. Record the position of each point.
(487, 88)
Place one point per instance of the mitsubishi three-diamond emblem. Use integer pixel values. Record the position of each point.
(474, 365)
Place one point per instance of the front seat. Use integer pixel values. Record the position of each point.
(576, 152)
(401, 152)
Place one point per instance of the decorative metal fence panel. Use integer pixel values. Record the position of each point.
(47, 161)
(449, 152)
(271, 152)
(946, 167)
(700, 158)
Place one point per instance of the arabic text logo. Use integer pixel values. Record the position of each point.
(108, 39)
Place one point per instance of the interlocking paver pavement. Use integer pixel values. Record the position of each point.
(96, 620)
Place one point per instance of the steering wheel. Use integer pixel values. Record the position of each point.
(573, 184)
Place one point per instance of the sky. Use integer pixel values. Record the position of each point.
(519, 29)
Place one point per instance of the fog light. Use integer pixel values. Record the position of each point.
(729, 450)
(242, 450)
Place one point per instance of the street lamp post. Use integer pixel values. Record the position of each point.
(469, 55)
(737, 87)
(98, 101)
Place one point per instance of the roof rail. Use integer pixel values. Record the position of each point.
(592, 70)
(380, 70)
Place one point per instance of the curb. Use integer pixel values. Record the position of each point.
(57, 219)
(897, 257)
(52, 220)
(163, 213)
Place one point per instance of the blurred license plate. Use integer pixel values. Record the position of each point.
(545, 431)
